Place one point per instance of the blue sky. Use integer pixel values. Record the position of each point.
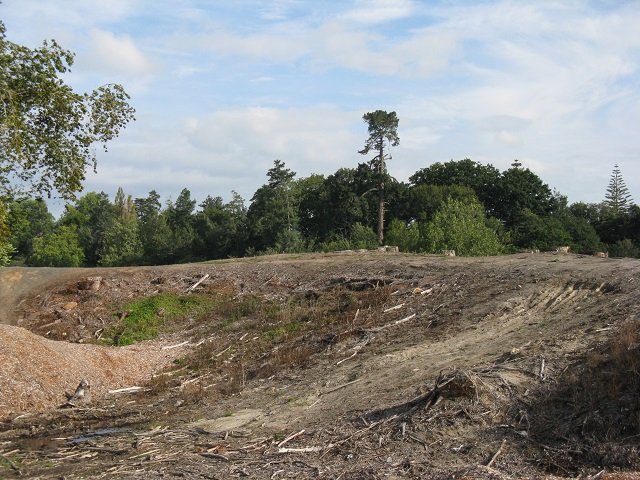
(223, 88)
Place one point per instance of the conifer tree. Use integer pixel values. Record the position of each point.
(618, 198)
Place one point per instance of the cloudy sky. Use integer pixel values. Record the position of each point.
(222, 88)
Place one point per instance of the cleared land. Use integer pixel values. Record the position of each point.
(361, 365)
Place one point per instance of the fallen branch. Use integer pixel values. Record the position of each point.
(345, 359)
(126, 390)
(302, 449)
(341, 386)
(195, 285)
(393, 308)
(214, 456)
(493, 459)
(176, 346)
(393, 324)
(406, 409)
(290, 437)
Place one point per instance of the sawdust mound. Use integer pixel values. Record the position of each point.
(36, 372)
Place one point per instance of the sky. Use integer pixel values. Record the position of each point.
(223, 88)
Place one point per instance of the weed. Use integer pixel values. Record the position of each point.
(146, 316)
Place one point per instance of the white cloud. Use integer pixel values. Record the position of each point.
(378, 11)
(120, 54)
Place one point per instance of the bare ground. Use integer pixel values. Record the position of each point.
(524, 366)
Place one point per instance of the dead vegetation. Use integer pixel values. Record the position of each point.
(366, 366)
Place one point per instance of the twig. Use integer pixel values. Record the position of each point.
(350, 356)
(176, 346)
(393, 308)
(215, 456)
(341, 386)
(220, 353)
(126, 390)
(493, 459)
(393, 324)
(302, 449)
(290, 437)
(195, 285)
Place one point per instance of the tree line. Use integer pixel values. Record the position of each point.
(463, 205)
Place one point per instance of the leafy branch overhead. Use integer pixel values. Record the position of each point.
(47, 130)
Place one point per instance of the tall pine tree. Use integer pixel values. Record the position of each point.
(618, 198)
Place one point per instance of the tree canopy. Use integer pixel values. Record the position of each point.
(47, 130)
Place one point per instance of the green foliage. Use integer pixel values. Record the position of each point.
(146, 316)
(363, 237)
(58, 249)
(48, 130)
(6, 248)
(28, 219)
(460, 226)
(624, 248)
(617, 199)
(92, 216)
(483, 179)
(274, 208)
(122, 245)
(406, 237)
(540, 232)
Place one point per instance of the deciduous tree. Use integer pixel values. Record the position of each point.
(47, 130)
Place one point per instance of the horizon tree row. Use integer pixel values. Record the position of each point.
(461, 205)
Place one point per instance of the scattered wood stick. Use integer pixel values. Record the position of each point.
(214, 456)
(493, 459)
(393, 324)
(220, 353)
(341, 386)
(291, 437)
(393, 308)
(176, 346)
(126, 390)
(195, 285)
(345, 359)
(302, 449)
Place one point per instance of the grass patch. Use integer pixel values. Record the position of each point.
(145, 317)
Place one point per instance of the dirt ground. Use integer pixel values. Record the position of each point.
(522, 366)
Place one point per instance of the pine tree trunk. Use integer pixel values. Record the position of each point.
(381, 172)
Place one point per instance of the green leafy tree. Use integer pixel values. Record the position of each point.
(273, 209)
(180, 218)
(58, 249)
(405, 236)
(363, 237)
(220, 228)
(383, 134)
(121, 243)
(47, 131)
(155, 234)
(520, 189)
(460, 226)
(542, 232)
(617, 199)
(92, 215)
(6, 248)
(28, 219)
(483, 179)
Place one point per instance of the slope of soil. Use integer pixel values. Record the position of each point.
(406, 367)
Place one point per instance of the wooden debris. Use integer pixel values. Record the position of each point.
(195, 285)
(341, 386)
(493, 459)
(214, 456)
(126, 390)
(393, 324)
(393, 308)
(291, 437)
(170, 347)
